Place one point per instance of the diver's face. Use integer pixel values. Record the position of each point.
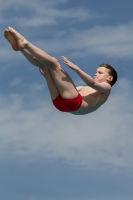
(102, 75)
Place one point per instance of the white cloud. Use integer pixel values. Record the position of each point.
(35, 129)
(111, 41)
(41, 12)
(114, 42)
(19, 82)
(116, 197)
(16, 82)
(104, 197)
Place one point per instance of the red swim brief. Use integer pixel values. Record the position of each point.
(67, 105)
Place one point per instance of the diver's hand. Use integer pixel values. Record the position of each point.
(69, 63)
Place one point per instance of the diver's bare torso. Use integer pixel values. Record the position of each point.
(92, 100)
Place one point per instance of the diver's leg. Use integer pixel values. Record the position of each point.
(62, 80)
(54, 92)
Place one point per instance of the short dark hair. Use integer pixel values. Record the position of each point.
(112, 72)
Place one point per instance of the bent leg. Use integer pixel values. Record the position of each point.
(48, 74)
(62, 80)
(54, 92)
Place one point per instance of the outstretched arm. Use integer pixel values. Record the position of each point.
(101, 87)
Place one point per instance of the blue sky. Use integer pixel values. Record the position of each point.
(45, 154)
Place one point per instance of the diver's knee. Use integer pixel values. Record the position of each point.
(54, 62)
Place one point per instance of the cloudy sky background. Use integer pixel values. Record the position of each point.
(45, 154)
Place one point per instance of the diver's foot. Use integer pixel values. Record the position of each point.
(21, 41)
(8, 35)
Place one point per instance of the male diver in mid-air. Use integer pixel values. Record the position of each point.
(65, 96)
